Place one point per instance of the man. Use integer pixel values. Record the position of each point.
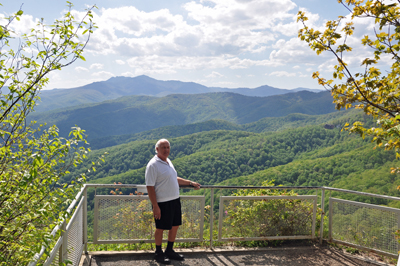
(162, 184)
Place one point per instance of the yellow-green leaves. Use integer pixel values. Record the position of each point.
(34, 159)
(374, 91)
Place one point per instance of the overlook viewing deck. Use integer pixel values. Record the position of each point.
(271, 213)
(288, 255)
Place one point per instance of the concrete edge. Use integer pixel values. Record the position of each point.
(367, 260)
(86, 260)
(196, 250)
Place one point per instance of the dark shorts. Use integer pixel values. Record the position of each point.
(171, 214)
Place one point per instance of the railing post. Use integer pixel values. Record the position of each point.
(211, 218)
(398, 243)
(330, 218)
(314, 220)
(95, 219)
(64, 246)
(85, 206)
(322, 215)
(220, 217)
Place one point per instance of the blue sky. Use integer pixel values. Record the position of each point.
(218, 43)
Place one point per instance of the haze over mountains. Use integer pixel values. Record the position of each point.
(116, 87)
(134, 114)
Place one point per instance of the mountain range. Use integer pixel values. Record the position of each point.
(219, 136)
(134, 114)
(116, 87)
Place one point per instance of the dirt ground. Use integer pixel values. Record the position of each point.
(288, 256)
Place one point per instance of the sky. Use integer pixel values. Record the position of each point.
(217, 43)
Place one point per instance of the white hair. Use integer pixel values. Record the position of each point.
(158, 143)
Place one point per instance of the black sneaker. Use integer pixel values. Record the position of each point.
(172, 255)
(161, 258)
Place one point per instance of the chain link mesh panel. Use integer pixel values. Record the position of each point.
(192, 219)
(244, 217)
(74, 234)
(55, 260)
(130, 218)
(365, 225)
(52, 260)
(75, 237)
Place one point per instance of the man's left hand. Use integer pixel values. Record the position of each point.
(196, 185)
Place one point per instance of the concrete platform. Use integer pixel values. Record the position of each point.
(288, 256)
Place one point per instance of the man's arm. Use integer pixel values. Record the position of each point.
(185, 182)
(152, 196)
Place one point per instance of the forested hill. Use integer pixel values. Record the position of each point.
(311, 156)
(242, 152)
(263, 125)
(134, 114)
(305, 156)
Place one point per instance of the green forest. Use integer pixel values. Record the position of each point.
(291, 154)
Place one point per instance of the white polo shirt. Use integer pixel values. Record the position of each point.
(163, 177)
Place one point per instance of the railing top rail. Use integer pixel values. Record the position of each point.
(258, 187)
(203, 186)
(254, 187)
(268, 197)
(362, 193)
(367, 205)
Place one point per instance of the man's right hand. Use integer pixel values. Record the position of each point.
(156, 212)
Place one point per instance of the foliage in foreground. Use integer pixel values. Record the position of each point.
(374, 91)
(32, 160)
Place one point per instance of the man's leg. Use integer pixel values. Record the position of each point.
(158, 235)
(172, 233)
(171, 239)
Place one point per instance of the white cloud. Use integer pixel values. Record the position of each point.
(240, 14)
(281, 74)
(151, 72)
(208, 37)
(300, 75)
(127, 74)
(226, 28)
(293, 51)
(103, 74)
(161, 64)
(24, 25)
(96, 66)
(81, 69)
(214, 74)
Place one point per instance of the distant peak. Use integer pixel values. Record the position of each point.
(124, 77)
(144, 77)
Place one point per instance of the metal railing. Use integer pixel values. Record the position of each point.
(128, 219)
(73, 236)
(364, 225)
(299, 221)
